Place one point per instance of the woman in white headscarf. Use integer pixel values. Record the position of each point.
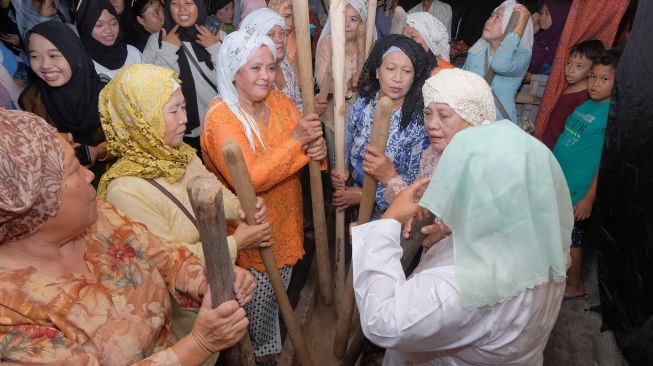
(431, 34)
(439, 9)
(489, 293)
(276, 142)
(267, 21)
(509, 59)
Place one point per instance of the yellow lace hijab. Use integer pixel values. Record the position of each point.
(131, 112)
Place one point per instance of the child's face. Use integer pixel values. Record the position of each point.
(600, 82)
(578, 68)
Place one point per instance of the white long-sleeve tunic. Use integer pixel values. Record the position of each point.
(421, 321)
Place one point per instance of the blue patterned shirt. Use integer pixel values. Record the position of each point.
(404, 147)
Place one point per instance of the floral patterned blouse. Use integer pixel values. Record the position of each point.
(117, 314)
(404, 147)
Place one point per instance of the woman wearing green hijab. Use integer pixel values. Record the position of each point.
(489, 293)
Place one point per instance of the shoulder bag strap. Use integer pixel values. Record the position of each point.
(174, 200)
(197, 66)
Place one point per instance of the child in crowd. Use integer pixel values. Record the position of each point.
(579, 65)
(578, 151)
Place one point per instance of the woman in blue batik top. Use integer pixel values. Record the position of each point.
(396, 68)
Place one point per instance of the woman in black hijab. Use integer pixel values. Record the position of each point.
(66, 94)
(396, 68)
(186, 46)
(99, 29)
(146, 19)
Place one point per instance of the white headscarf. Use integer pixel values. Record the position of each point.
(526, 39)
(466, 93)
(432, 30)
(361, 8)
(236, 49)
(263, 20)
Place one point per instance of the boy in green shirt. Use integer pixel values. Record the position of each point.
(578, 151)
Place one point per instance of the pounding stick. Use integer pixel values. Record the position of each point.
(378, 139)
(304, 55)
(410, 247)
(360, 48)
(398, 21)
(206, 200)
(371, 25)
(242, 183)
(337, 14)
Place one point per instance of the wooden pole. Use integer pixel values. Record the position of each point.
(337, 14)
(398, 21)
(206, 199)
(411, 247)
(371, 25)
(378, 139)
(242, 183)
(360, 48)
(304, 55)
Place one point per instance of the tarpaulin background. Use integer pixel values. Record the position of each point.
(623, 217)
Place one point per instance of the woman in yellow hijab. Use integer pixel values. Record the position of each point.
(143, 114)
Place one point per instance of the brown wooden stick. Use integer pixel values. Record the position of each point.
(371, 25)
(304, 56)
(411, 247)
(360, 48)
(206, 199)
(337, 14)
(378, 139)
(326, 87)
(398, 21)
(242, 183)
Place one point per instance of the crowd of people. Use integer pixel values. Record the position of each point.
(110, 108)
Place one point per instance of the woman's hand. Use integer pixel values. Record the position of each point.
(337, 181)
(97, 153)
(316, 150)
(406, 205)
(172, 36)
(320, 105)
(583, 208)
(244, 285)
(378, 165)
(308, 129)
(205, 37)
(434, 233)
(524, 17)
(349, 196)
(253, 236)
(215, 329)
(261, 215)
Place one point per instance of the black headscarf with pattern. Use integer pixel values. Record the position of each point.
(368, 84)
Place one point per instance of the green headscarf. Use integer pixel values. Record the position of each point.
(506, 201)
(131, 111)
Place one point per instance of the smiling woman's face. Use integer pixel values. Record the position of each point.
(47, 62)
(184, 12)
(255, 78)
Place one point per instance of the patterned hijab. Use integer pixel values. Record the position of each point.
(236, 49)
(263, 20)
(131, 110)
(466, 93)
(31, 171)
(432, 30)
